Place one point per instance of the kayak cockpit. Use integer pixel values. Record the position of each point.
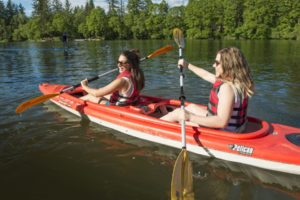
(154, 107)
(255, 128)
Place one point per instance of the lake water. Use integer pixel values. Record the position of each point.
(47, 153)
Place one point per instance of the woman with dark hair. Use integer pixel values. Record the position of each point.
(125, 89)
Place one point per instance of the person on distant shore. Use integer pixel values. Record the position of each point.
(228, 101)
(65, 40)
(125, 89)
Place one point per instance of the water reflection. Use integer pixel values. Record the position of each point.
(236, 181)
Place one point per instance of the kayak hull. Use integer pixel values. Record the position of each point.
(264, 144)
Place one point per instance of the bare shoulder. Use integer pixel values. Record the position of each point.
(121, 83)
(116, 84)
(226, 90)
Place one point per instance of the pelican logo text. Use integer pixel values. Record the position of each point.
(241, 149)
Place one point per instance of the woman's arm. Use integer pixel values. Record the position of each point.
(225, 106)
(202, 73)
(118, 84)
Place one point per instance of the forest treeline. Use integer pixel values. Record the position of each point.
(143, 19)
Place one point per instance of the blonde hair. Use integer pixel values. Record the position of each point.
(236, 70)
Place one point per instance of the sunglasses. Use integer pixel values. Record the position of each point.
(122, 63)
(217, 62)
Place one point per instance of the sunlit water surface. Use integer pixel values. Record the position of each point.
(47, 153)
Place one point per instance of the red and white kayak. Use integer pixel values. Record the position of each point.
(265, 145)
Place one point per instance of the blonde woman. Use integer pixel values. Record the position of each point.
(232, 86)
(125, 89)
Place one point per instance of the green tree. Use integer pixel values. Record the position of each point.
(56, 6)
(41, 10)
(136, 6)
(89, 6)
(60, 23)
(97, 23)
(250, 19)
(12, 17)
(83, 30)
(62, 19)
(233, 17)
(297, 31)
(118, 28)
(19, 32)
(21, 9)
(32, 29)
(288, 19)
(138, 12)
(112, 7)
(69, 18)
(139, 26)
(68, 8)
(212, 19)
(175, 19)
(10, 11)
(2, 10)
(259, 17)
(156, 22)
(194, 18)
(79, 22)
(2, 21)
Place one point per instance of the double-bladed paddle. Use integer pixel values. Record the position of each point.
(43, 98)
(182, 177)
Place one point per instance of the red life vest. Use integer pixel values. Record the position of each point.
(239, 112)
(119, 100)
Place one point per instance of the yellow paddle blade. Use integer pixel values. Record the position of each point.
(178, 37)
(182, 178)
(161, 51)
(34, 101)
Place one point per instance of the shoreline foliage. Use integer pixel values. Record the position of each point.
(143, 19)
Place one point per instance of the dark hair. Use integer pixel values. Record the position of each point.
(133, 57)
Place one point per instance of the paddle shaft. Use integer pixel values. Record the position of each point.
(182, 98)
(145, 58)
(91, 79)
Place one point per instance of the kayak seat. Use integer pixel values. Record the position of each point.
(156, 109)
